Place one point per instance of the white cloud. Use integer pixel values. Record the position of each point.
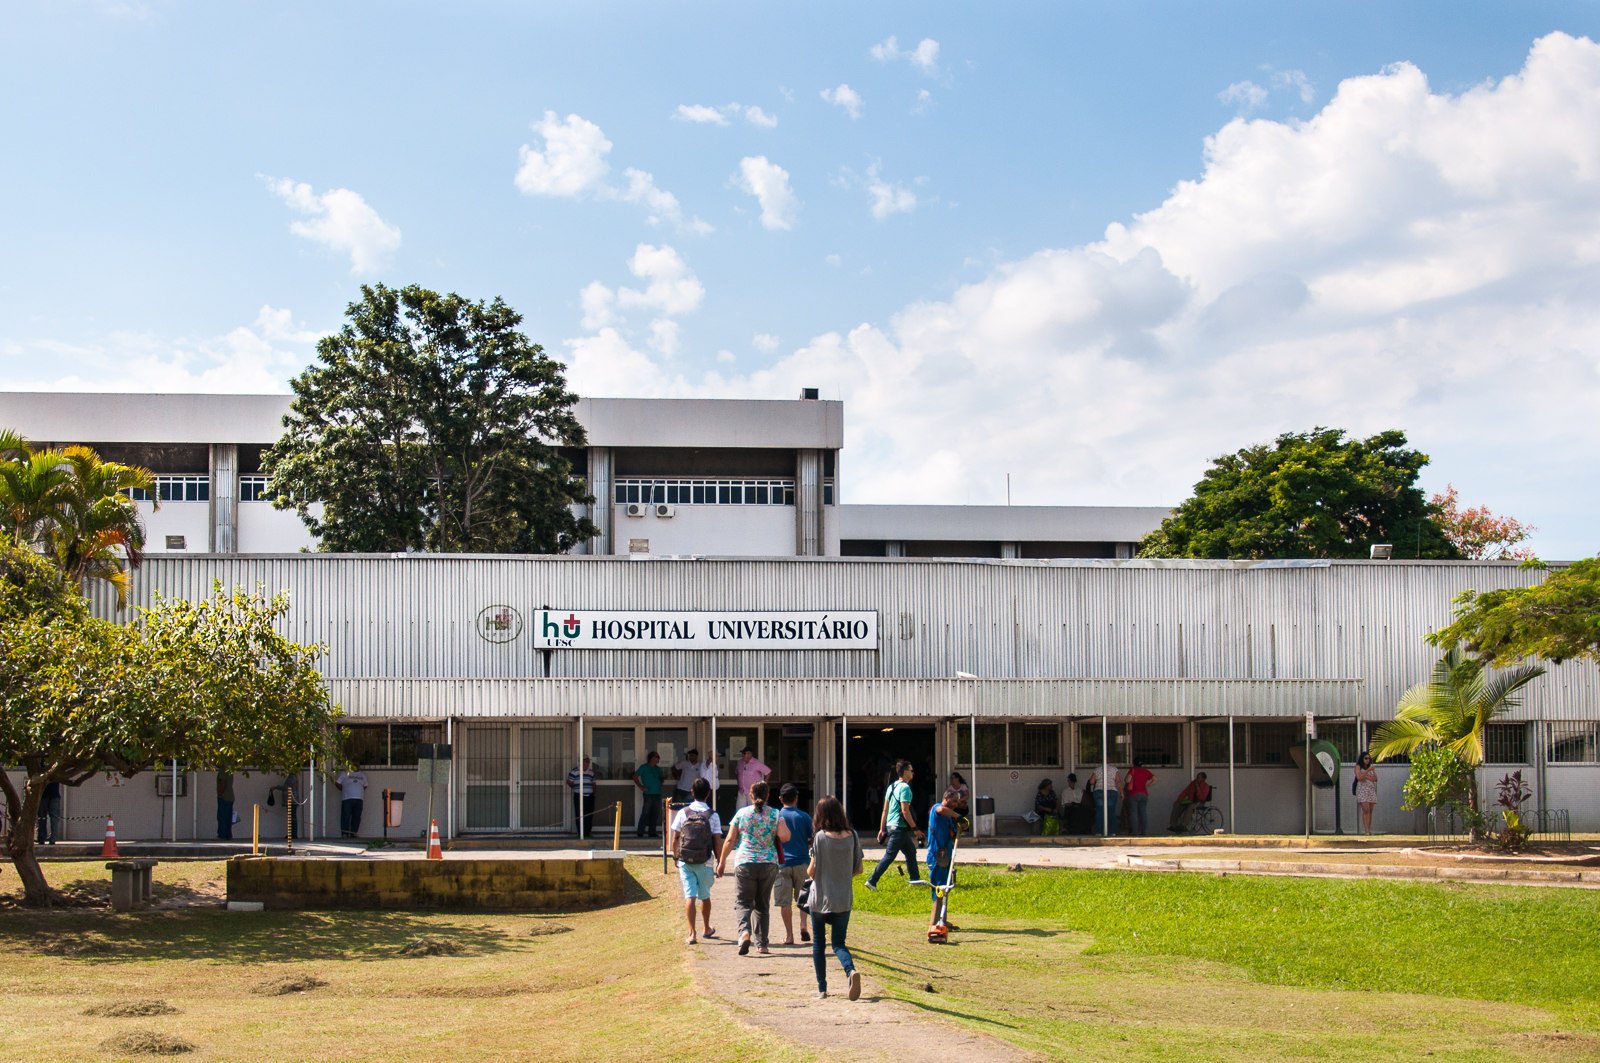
(832, 260)
(245, 360)
(726, 357)
(1295, 79)
(664, 336)
(720, 115)
(757, 117)
(573, 159)
(765, 342)
(769, 183)
(663, 205)
(888, 198)
(846, 97)
(598, 304)
(340, 220)
(1402, 259)
(699, 113)
(924, 102)
(1247, 94)
(925, 56)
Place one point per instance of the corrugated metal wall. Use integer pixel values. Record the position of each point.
(412, 617)
(810, 698)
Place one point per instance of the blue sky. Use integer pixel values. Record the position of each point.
(155, 156)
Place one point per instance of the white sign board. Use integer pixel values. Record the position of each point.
(588, 629)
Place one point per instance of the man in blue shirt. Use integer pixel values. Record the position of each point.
(943, 822)
(796, 857)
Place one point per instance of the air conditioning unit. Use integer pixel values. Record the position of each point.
(637, 509)
(666, 511)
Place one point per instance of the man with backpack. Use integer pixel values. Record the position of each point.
(696, 843)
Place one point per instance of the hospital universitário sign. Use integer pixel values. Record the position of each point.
(588, 629)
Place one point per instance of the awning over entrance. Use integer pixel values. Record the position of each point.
(811, 698)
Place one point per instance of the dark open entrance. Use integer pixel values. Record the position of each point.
(873, 750)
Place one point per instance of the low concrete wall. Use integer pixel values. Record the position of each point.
(311, 882)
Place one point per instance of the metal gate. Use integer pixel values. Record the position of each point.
(488, 775)
(542, 802)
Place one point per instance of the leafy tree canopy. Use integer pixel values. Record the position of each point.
(1478, 533)
(431, 423)
(1309, 495)
(208, 682)
(1557, 620)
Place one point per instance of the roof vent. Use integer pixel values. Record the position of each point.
(808, 393)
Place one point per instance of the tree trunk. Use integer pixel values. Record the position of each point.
(23, 809)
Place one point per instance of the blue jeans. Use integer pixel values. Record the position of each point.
(820, 921)
(900, 840)
(1103, 798)
(1139, 814)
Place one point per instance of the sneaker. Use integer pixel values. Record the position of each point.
(822, 994)
(873, 886)
(855, 985)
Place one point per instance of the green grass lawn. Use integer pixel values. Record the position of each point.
(1531, 945)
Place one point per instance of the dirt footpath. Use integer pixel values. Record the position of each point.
(778, 992)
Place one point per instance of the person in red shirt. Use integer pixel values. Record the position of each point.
(1197, 790)
(1136, 795)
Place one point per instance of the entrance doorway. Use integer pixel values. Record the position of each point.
(788, 754)
(872, 752)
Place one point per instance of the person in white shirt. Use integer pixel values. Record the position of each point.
(696, 852)
(687, 771)
(353, 788)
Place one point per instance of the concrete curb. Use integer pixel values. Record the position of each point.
(1589, 879)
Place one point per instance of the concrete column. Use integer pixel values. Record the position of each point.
(224, 538)
(1011, 550)
(600, 481)
(808, 503)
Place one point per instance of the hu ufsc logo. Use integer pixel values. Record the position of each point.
(559, 632)
(499, 623)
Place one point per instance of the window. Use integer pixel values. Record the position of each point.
(175, 489)
(613, 755)
(1213, 738)
(706, 492)
(671, 742)
(382, 745)
(1344, 738)
(1035, 745)
(1158, 745)
(1270, 742)
(254, 489)
(991, 743)
(1505, 743)
(1574, 743)
(1089, 743)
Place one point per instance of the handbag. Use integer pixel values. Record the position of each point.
(802, 900)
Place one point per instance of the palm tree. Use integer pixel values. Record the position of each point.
(32, 488)
(98, 533)
(1451, 710)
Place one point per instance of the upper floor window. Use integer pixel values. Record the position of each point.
(254, 489)
(176, 489)
(706, 492)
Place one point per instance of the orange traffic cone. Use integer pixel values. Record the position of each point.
(435, 852)
(109, 848)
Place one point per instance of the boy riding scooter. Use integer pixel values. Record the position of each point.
(944, 828)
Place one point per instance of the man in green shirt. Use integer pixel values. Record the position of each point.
(647, 777)
(897, 827)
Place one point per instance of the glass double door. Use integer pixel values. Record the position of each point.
(615, 754)
(515, 778)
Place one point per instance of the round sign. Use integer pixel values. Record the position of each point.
(499, 623)
(1016, 777)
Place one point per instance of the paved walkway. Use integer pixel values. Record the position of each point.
(778, 992)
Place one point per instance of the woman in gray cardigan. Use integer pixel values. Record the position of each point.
(835, 862)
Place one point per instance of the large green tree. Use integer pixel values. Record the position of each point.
(1310, 494)
(431, 423)
(208, 682)
(1555, 621)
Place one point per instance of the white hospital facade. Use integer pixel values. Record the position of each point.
(847, 633)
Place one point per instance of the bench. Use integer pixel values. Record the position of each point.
(130, 883)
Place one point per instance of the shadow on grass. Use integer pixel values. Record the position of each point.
(1029, 932)
(951, 1013)
(212, 933)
